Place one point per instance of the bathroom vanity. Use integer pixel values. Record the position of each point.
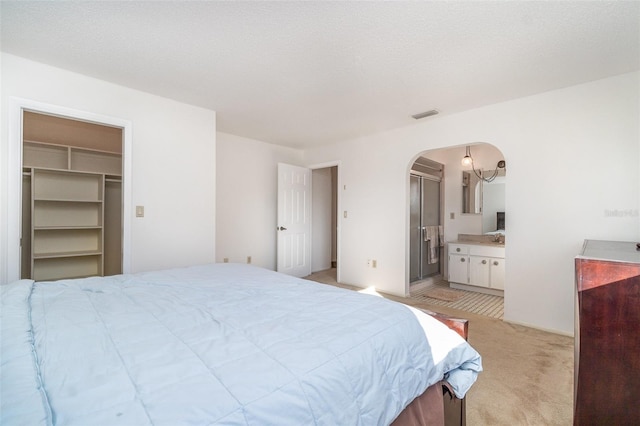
(477, 266)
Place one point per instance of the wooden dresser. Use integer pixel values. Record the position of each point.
(607, 334)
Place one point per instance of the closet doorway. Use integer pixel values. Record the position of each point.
(72, 198)
(425, 217)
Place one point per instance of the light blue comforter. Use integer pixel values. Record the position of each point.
(217, 344)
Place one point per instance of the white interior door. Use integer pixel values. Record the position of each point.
(294, 220)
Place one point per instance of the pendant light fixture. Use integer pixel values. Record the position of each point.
(467, 161)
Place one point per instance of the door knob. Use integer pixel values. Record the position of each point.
(281, 228)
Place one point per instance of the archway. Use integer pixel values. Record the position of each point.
(481, 223)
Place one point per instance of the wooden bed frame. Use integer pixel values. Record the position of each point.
(437, 405)
(454, 409)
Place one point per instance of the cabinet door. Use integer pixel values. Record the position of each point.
(458, 269)
(497, 273)
(479, 271)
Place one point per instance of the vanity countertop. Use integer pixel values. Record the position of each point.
(477, 243)
(479, 240)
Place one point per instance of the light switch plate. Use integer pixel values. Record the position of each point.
(139, 211)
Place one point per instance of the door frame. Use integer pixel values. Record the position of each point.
(439, 181)
(14, 176)
(339, 218)
(407, 247)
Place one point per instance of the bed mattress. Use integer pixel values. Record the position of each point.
(217, 344)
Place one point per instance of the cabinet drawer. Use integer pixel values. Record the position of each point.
(458, 249)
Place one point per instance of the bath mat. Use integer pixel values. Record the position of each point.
(444, 294)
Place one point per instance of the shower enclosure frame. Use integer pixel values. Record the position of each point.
(424, 173)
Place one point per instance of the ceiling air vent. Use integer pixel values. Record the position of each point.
(425, 114)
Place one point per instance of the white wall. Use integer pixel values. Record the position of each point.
(572, 155)
(246, 193)
(173, 164)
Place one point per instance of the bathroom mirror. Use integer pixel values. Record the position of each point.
(471, 193)
(485, 198)
(493, 202)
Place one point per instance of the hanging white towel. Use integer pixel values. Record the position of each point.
(433, 236)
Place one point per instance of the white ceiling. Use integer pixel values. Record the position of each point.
(309, 73)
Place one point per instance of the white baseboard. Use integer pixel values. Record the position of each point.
(548, 330)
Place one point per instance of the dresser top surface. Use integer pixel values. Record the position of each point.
(614, 251)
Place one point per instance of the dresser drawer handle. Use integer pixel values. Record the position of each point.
(458, 249)
(495, 263)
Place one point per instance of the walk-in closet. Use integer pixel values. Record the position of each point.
(71, 198)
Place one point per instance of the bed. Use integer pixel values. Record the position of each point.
(225, 344)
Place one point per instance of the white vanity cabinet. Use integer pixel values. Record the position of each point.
(486, 272)
(477, 265)
(459, 263)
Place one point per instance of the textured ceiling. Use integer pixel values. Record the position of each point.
(308, 73)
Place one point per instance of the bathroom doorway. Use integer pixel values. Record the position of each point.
(426, 236)
(446, 163)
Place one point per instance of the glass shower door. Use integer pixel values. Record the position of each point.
(415, 228)
(424, 211)
(430, 217)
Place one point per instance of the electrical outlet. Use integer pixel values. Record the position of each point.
(225, 260)
(248, 259)
(368, 262)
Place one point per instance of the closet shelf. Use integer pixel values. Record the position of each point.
(65, 227)
(63, 200)
(73, 159)
(62, 147)
(66, 254)
(26, 171)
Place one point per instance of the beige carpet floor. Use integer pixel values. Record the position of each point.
(528, 373)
